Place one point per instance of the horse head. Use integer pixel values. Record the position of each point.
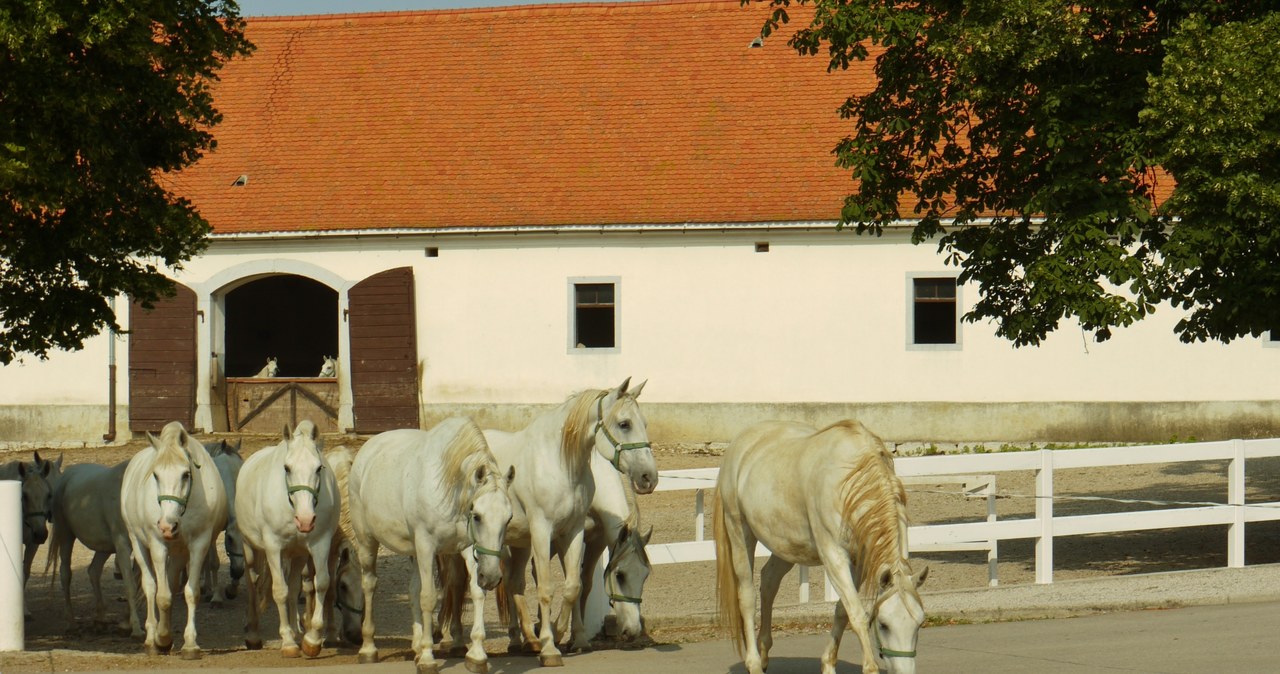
(622, 437)
(172, 471)
(37, 498)
(329, 368)
(897, 616)
(487, 520)
(624, 579)
(302, 468)
(348, 597)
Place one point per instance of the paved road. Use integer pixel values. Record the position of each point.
(1235, 638)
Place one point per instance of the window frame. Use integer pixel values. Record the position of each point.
(571, 331)
(912, 277)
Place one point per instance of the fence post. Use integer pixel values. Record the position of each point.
(1235, 497)
(699, 519)
(11, 585)
(1044, 514)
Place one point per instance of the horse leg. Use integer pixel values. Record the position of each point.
(195, 574)
(160, 561)
(64, 563)
(425, 551)
(129, 573)
(519, 623)
(367, 551)
(286, 602)
(209, 589)
(313, 640)
(840, 574)
(253, 607)
(540, 539)
(147, 580)
(95, 581)
(771, 575)
(572, 591)
(477, 660)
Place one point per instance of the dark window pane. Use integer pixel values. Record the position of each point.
(935, 311)
(594, 327)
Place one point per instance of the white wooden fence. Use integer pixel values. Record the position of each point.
(975, 471)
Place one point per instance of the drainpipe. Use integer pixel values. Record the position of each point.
(111, 379)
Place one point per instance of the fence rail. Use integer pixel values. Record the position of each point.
(973, 469)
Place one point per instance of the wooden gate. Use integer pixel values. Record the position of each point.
(162, 362)
(266, 405)
(384, 352)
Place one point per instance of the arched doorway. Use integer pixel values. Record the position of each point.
(291, 318)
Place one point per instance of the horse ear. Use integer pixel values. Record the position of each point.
(315, 433)
(622, 388)
(287, 432)
(236, 449)
(152, 439)
(886, 577)
(635, 392)
(919, 578)
(22, 470)
(644, 540)
(481, 472)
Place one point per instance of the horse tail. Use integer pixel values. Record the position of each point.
(51, 553)
(729, 613)
(454, 584)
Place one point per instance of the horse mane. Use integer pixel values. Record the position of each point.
(575, 449)
(340, 459)
(465, 449)
(874, 505)
(171, 447)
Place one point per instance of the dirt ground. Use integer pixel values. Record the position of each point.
(678, 599)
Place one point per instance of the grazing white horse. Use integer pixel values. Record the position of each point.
(229, 461)
(37, 477)
(423, 494)
(553, 457)
(86, 507)
(268, 370)
(330, 367)
(287, 504)
(174, 504)
(812, 497)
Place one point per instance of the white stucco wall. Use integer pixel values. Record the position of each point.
(819, 318)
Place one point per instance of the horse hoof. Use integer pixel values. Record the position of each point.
(164, 646)
(309, 649)
(477, 666)
(428, 668)
(253, 644)
(291, 651)
(151, 650)
(368, 658)
(191, 654)
(550, 660)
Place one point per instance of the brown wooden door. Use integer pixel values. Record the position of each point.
(384, 352)
(162, 362)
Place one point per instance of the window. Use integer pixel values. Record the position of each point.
(595, 314)
(934, 316)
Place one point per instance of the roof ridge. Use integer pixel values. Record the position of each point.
(541, 9)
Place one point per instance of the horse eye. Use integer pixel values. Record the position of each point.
(288, 470)
(186, 475)
(622, 577)
(624, 425)
(476, 517)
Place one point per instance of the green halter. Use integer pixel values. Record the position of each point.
(618, 448)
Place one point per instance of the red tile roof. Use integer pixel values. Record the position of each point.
(625, 113)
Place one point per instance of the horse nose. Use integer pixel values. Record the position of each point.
(169, 530)
(646, 483)
(305, 524)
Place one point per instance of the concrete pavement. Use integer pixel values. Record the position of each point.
(1216, 620)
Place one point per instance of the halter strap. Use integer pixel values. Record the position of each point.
(480, 549)
(315, 493)
(875, 633)
(618, 448)
(181, 501)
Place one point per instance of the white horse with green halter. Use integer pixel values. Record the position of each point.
(827, 497)
(423, 494)
(553, 456)
(173, 503)
(287, 508)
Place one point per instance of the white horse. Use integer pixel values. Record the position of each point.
(813, 497)
(37, 478)
(553, 456)
(228, 460)
(611, 524)
(174, 504)
(268, 370)
(86, 507)
(329, 368)
(287, 506)
(424, 493)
